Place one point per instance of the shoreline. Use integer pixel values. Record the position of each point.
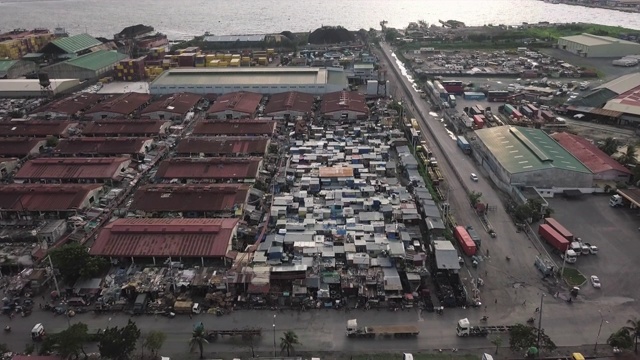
(596, 6)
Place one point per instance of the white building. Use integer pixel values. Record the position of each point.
(255, 79)
(588, 45)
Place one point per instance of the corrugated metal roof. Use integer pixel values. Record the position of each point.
(76, 43)
(235, 127)
(175, 104)
(19, 146)
(35, 128)
(97, 60)
(72, 168)
(100, 146)
(210, 197)
(70, 105)
(242, 102)
(226, 145)
(5, 65)
(124, 104)
(344, 101)
(165, 237)
(592, 157)
(209, 168)
(234, 38)
(38, 197)
(128, 127)
(290, 101)
(622, 84)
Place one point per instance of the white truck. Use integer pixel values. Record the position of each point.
(616, 200)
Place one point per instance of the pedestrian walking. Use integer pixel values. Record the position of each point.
(190, 316)
(496, 301)
(537, 310)
(524, 303)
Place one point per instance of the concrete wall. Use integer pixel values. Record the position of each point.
(612, 175)
(553, 177)
(227, 114)
(316, 89)
(67, 71)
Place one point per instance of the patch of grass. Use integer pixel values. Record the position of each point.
(558, 31)
(573, 277)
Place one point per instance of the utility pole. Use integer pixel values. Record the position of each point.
(595, 347)
(274, 335)
(55, 281)
(540, 324)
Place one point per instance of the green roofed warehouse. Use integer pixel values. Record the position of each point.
(89, 66)
(519, 156)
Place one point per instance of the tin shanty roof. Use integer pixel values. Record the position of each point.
(126, 127)
(292, 101)
(125, 104)
(178, 104)
(226, 145)
(344, 101)
(40, 129)
(165, 237)
(235, 127)
(20, 146)
(39, 197)
(101, 146)
(70, 105)
(173, 198)
(209, 168)
(336, 172)
(73, 168)
(240, 102)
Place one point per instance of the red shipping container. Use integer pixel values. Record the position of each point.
(553, 238)
(465, 241)
(478, 120)
(559, 228)
(516, 114)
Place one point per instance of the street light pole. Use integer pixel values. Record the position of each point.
(55, 281)
(274, 335)
(540, 324)
(595, 347)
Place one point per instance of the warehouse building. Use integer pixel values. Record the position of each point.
(21, 147)
(210, 169)
(55, 200)
(347, 105)
(136, 147)
(122, 106)
(37, 129)
(601, 165)
(242, 127)
(138, 128)
(223, 146)
(72, 106)
(615, 102)
(236, 105)
(289, 104)
(171, 107)
(13, 69)
(73, 170)
(71, 46)
(159, 240)
(86, 67)
(518, 156)
(30, 88)
(193, 201)
(255, 79)
(589, 45)
(627, 103)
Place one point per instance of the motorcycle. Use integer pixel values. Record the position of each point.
(530, 320)
(484, 318)
(7, 328)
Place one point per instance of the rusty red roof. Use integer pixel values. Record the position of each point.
(593, 158)
(124, 104)
(242, 102)
(211, 197)
(165, 237)
(290, 101)
(70, 105)
(125, 127)
(41, 357)
(235, 127)
(20, 146)
(176, 104)
(101, 146)
(209, 168)
(344, 101)
(227, 145)
(39, 197)
(73, 168)
(35, 128)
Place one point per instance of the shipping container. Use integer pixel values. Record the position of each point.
(478, 121)
(234, 62)
(526, 111)
(509, 109)
(516, 114)
(548, 234)
(497, 96)
(473, 95)
(187, 59)
(474, 236)
(534, 110)
(463, 144)
(453, 86)
(440, 90)
(214, 63)
(548, 115)
(465, 241)
(559, 228)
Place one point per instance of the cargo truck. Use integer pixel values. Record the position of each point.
(464, 329)
(353, 331)
(463, 144)
(474, 236)
(478, 121)
(465, 241)
(559, 243)
(452, 100)
(555, 224)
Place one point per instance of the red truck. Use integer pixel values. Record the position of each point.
(558, 242)
(465, 240)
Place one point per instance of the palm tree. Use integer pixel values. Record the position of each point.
(497, 341)
(634, 329)
(287, 342)
(198, 338)
(610, 146)
(629, 156)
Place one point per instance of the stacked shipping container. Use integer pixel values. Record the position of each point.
(17, 45)
(131, 70)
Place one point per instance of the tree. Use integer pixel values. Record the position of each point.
(610, 146)
(154, 341)
(523, 337)
(288, 341)
(474, 198)
(629, 156)
(198, 338)
(29, 349)
(633, 326)
(118, 343)
(52, 141)
(497, 341)
(4, 348)
(621, 339)
(70, 342)
(73, 262)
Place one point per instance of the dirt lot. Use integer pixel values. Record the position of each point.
(601, 64)
(615, 232)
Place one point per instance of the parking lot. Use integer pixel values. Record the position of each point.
(615, 232)
(603, 65)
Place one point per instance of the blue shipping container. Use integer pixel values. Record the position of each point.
(473, 96)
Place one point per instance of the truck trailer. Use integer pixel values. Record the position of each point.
(558, 242)
(354, 331)
(465, 241)
(463, 144)
(464, 329)
(474, 236)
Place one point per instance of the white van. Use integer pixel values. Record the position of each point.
(196, 308)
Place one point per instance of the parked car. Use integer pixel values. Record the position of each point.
(595, 281)
(474, 177)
